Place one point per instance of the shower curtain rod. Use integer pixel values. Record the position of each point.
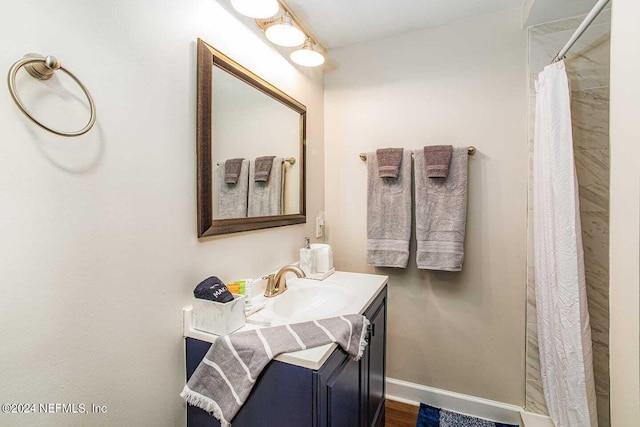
(581, 29)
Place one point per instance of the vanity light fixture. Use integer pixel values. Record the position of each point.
(284, 29)
(306, 56)
(284, 33)
(259, 9)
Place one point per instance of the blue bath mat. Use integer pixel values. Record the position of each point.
(436, 417)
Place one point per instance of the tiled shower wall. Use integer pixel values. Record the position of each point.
(588, 68)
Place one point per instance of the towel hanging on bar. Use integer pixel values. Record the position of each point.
(471, 150)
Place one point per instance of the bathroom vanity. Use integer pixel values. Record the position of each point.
(315, 387)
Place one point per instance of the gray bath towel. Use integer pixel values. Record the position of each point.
(232, 169)
(231, 199)
(266, 198)
(441, 213)
(222, 382)
(389, 160)
(262, 168)
(388, 214)
(438, 159)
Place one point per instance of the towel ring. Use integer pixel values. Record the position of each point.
(43, 68)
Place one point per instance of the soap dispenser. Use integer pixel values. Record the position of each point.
(306, 259)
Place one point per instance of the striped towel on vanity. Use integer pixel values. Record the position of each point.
(223, 380)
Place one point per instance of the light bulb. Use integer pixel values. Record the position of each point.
(306, 56)
(259, 9)
(284, 33)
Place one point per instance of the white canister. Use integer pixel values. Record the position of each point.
(321, 258)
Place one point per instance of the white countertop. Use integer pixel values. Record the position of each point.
(364, 286)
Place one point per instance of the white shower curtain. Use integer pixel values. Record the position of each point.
(564, 336)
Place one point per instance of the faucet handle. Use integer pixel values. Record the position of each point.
(271, 280)
(272, 287)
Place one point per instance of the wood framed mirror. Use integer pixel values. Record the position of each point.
(242, 116)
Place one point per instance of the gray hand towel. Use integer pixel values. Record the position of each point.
(388, 214)
(232, 170)
(223, 380)
(389, 160)
(441, 212)
(438, 159)
(263, 167)
(266, 198)
(231, 199)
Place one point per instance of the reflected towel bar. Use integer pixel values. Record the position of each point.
(290, 160)
(471, 150)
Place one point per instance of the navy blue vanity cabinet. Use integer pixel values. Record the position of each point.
(342, 393)
(339, 392)
(352, 394)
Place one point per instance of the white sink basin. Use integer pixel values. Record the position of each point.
(311, 301)
(306, 299)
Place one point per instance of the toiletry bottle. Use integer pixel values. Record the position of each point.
(305, 257)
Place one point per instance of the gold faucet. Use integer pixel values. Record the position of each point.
(277, 283)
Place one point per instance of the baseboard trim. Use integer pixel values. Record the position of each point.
(529, 419)
(413, 394)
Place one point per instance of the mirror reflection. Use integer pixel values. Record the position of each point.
(253, 132)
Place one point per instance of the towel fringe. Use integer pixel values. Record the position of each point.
(363, 339)
(203, 402)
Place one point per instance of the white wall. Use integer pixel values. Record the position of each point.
(98, 249)
(625, 214)
(460, 84)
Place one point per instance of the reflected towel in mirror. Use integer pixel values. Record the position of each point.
(263, 166)
(232, 169)
(231, 199)
(266, 198)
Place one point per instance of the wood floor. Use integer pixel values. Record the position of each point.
(400, 414)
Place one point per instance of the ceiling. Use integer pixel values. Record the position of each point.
(337, 23)
(552, 10)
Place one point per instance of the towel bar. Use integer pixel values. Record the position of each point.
(43, 68)
(471, 150)
(290, 160)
